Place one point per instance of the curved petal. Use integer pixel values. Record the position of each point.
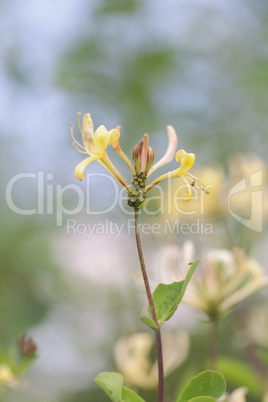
(114, 136)
(103, 138)
(173, 174)
(170, 152)
(80, 168)
(186, 197)
(186, 160)
(88, 132)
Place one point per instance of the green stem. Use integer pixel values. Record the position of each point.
(152, 307)
(214, 345)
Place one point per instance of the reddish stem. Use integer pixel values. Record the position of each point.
(152, 307)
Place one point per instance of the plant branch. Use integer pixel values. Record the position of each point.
(152, 307)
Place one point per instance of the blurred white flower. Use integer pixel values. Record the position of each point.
(172, 262)
(257, 326)
(265, 398)
(238, 395)
(214, 206)
(132, 356)
(222, 280)
(245, 167)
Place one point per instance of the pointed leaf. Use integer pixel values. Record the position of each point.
(112, 384)
(131, 396)
(167, 297)
(208, 384)
(149, 322)
(165, 300)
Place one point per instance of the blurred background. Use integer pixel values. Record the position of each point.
(198, 65)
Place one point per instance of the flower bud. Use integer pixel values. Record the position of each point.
(27, 347)
(150, 159)
(136, 154)
(143, 156)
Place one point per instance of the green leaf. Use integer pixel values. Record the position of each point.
(167, 297)
(149, 322)
(239, 374)
(165, 300)
(131, 396)
(112, 384)
(202, 399)
(205, 387)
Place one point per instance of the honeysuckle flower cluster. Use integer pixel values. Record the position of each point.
(95, 144)
(257, 326)
(225, 277)
(132, 356)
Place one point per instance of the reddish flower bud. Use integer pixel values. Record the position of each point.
(143, 156)
(27, 347)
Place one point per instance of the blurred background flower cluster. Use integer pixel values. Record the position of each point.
(198, 65)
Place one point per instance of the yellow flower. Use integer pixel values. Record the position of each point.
(132, 356)
(211, 208)
(95, 145)
(186, 162)
(143, 157)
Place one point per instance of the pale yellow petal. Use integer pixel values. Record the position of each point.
(114, 172)
(88, 132)
(187, 197)
(80, 168)
(101, 140)
(186, 160)
(114, 135)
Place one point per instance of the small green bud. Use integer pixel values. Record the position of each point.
(136, 199)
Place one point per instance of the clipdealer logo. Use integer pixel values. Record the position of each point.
(50, 198)
(255, 221)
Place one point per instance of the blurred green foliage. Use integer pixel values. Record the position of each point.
(201, 67)
(209, 80)
(27, 272)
